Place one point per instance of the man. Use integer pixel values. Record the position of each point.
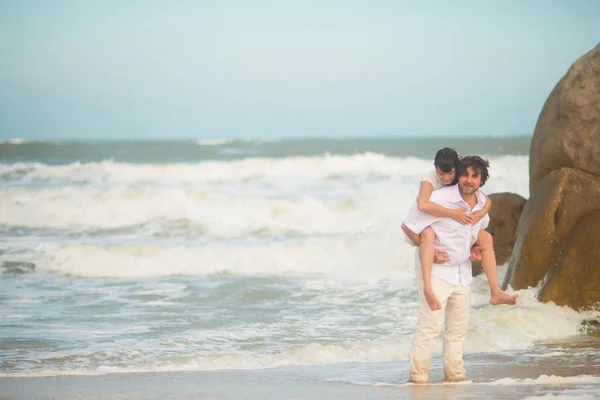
(450, 279)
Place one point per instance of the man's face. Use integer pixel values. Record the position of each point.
(469, 182)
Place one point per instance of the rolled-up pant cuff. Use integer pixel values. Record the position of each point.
(419, 378)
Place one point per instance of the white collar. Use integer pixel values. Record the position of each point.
(457, 198)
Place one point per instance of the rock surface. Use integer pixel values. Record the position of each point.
(573, 281)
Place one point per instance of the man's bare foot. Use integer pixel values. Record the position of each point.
(500, 297)
(418, 382)
(432, 300)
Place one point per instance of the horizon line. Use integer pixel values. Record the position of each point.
(19, 140)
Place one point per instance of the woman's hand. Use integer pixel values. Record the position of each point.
(476, 216)
(460, 216)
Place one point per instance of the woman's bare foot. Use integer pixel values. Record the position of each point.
(499, 297)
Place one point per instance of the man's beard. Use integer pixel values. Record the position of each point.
(468, 189)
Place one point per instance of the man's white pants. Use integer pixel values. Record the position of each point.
(456, 303)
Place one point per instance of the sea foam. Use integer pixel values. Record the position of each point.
(373, 256)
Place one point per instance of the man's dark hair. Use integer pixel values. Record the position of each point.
(446, 159)
(478, 164)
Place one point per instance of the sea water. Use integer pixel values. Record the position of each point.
(125, 256)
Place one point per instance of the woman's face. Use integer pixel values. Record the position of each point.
(446, 177)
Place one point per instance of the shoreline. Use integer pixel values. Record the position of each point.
(550, 369)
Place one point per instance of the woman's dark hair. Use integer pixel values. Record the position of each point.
(446, 159)
(478, 164)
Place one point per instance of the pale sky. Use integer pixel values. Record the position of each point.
(275, 69)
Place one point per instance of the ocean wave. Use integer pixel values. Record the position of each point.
(225, 141)
(225, 200)
(327, 167)
(195, 213)
(136, 361)
(214, 142)
(334, 257)
(15, 141)
(111, 172)
(187, 352)
(548, 380)
(514, 332)
(500, 328)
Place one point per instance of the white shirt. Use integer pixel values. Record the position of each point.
(433, 178)
(450, 236)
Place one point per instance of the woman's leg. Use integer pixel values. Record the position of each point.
(426, 255)
(488, 262)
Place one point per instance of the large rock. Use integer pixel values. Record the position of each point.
(557, 244)
(504, 218)
(568, 128)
